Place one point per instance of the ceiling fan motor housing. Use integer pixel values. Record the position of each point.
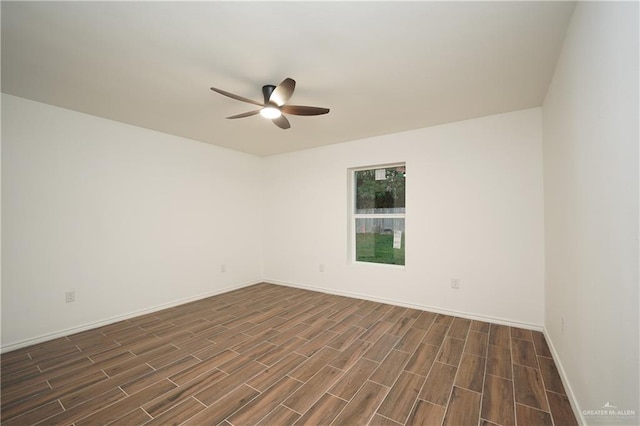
(267, 90)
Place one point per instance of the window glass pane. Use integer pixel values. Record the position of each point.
(380, 240)
(380, 191)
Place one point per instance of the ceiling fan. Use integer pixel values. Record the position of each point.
(275, 103)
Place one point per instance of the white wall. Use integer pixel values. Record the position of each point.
(129, 218)
(474, 211)
(590, 119)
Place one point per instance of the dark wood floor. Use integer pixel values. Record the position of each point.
(275, 355)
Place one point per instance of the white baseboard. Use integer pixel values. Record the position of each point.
(495, 320)
(565, 380)
(107, 321)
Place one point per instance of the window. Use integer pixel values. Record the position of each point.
(378, 214)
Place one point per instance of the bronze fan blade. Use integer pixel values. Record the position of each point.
(246, 114)
(281, 122)
(236, 97)
(283, 92)
(303, 110)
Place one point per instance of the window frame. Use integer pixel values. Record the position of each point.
(353, 216)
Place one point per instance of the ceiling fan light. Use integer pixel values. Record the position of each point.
(270, 112)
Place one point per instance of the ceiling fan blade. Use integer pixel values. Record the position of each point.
(283, 92)
(281, 122)
(245, 114)
(303, 110)
(236, 97)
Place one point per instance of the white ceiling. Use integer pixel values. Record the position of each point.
(381, 67)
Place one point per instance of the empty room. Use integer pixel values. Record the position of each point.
(320, 213)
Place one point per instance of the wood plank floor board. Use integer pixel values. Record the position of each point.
(459, 328)
(251, 344)
(73, 399)
(281, 415)
(135, 417)
(497, 401)
(400, 327)
(480, 326)
(280, 351)
(524, 353)
(400, 399)
(191, 372)
(375, 331)
(476, 343)
(347, 386)
(346, 323)
(463, 408)
(267, 378)
(111, 356)
(268, 354)
(53, 394)
(142, 382)
(499, 335)
(146, 357)
(224, 407)
(451, 351)
(314, 364)
(344, 339)
(380, 420)
(18, 376)
(126, 405)
(241, 361)
(319, 327)
(499, 361)
(531, 416)
(436, 334)
(540, 344)
(471, 373)
(522, 334)
(425, 320)
(550, 375)
(176, 415)
(309, 348)
(422, 359)
(322, 412)
(36, 415)
(529, 389)
(410, 341)
(561, 411)
(303, 398)
(26, 392)
(99, 402)
(214, 356)
(394, 314)
(439, 383)
(172, 397)
(388, 370)
(426, 413)
(444, 320)
(363, 405)
(381, 348)
(350, 355)
(226, 383)
(371, 318)
(262, 405)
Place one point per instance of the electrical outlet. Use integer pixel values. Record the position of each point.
(223, 268)
(321, 267)
(455, 283)
(70, 296)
